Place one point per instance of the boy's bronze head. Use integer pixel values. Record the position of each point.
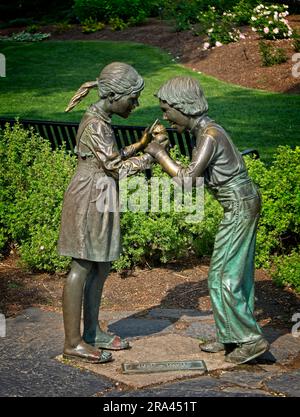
(182, 98)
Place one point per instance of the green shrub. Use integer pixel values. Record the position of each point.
(90, 25)
(243, 11)
(21, 9)
(18, 150)
(153, 237)
(34, 28)
(296, 41)
(271, 55)
(158, 237)
(39, 210)
(117, 24)
(90, 9)
(126, 9)
(104, 10)
(287, 270)
(33, 181)
(62, 27)
(184, 14)
(137, 20)
(150, 238)
(279, 226)
(19, 22)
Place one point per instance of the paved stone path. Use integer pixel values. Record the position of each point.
(34, 339)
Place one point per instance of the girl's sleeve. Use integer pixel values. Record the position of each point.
(102, 142)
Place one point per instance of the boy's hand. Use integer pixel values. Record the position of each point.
(154, 148)
(160, 135)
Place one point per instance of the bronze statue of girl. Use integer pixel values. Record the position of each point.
(92, 237)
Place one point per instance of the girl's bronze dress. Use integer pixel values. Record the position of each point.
(90, 222)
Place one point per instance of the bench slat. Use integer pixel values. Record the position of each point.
(65, 132)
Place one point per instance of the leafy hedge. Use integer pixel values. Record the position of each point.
(20, 9)
(287, 270)
(279, 227)
(188, 14)
(134, 11)
(33, 179)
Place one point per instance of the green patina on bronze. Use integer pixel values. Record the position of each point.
(215, 157)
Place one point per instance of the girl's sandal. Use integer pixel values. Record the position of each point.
(116, 343)
(104, 357)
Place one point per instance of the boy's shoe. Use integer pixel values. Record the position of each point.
(245, 352)
(215, 347)
(212, 347)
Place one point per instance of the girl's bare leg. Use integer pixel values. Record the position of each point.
(93, 334)
(75, 347)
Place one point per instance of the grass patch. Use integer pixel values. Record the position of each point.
(42, 77)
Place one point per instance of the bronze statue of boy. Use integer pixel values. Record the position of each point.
(231, 275)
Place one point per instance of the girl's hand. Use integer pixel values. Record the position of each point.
(160, 135)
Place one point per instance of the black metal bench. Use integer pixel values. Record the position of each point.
(59, 133)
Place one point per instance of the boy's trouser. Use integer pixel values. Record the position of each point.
(231, 275)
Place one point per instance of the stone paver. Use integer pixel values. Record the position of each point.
(114, 315)
(134, 328)
(183, 314)
(284, 346)
(170, 347)
(201, 330)
(28, 366)
(47, 378)
(205, 386)
(247, 379)
(34, 340)
(287, 383)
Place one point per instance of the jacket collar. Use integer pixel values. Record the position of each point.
(97, 111)
(201, 124)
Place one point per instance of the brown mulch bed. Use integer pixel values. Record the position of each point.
(176, 285)
(238, 63)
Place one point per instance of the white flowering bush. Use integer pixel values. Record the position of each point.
(220, 28)
(270, 22)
